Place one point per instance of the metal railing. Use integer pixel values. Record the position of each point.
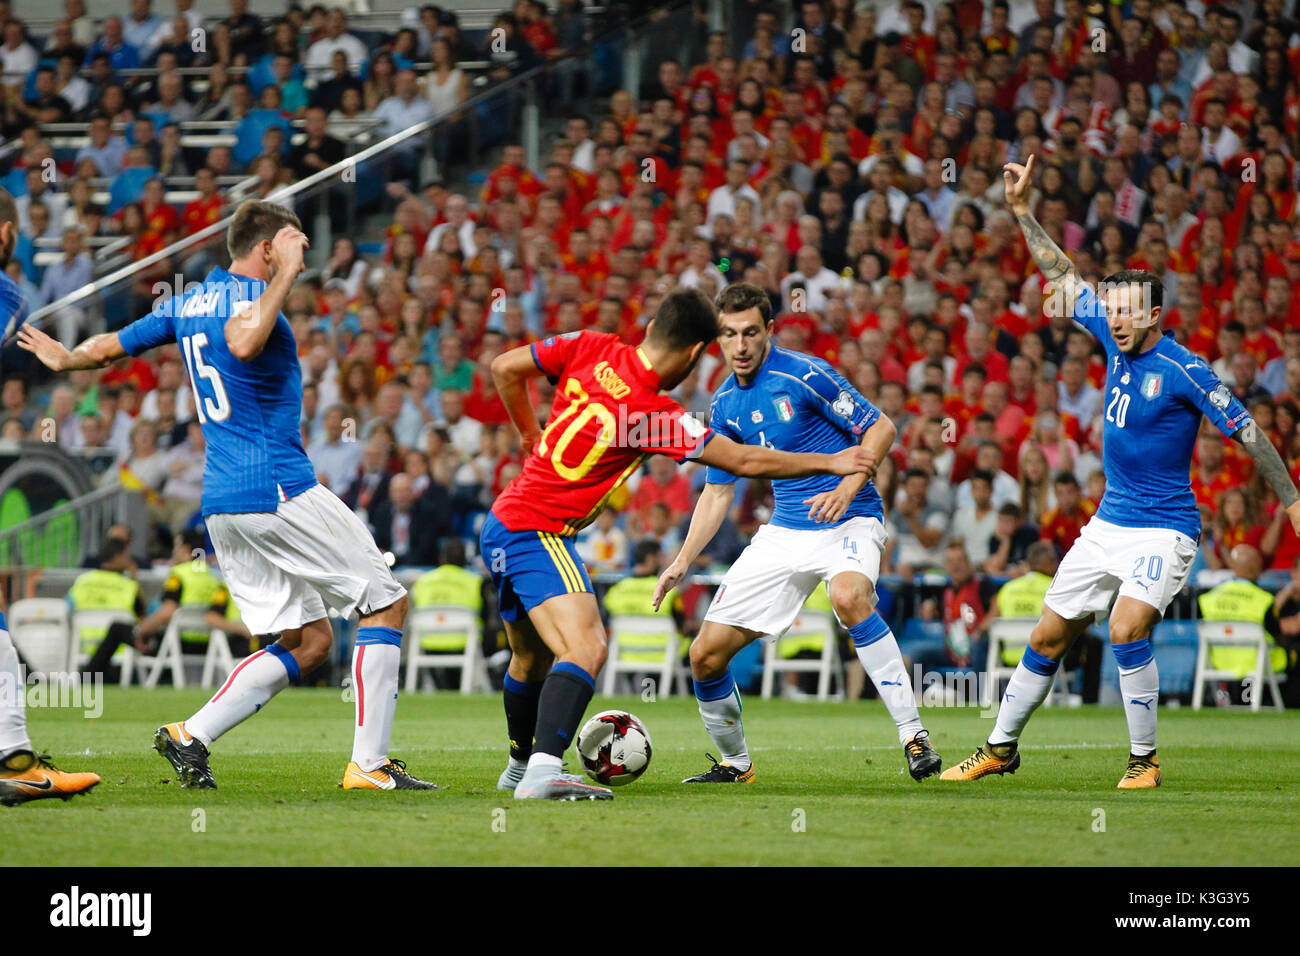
(522, 86)
(62, 535)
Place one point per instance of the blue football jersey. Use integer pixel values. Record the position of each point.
(796, 403)
(1153, 403)
(249, 411)
(13, 309)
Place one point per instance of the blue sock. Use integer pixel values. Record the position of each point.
(287, 659)
(869, 630)
(1036, 662)
(1132, 655)
(715, 689)
(379, 635)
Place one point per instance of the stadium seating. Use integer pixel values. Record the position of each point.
(169, 655)
(644, 644)
(39, 628)
(1248, 634)
(814, 627)
(89, 627)
(445, 638)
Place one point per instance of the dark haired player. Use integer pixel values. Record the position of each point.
(286, 545)
(1143, 538)
(607, 418)
(822, 530)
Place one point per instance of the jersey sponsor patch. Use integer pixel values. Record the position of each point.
(692, 428)
(843, 405)
(1151, 384)
(756, 417)
(784, 408)
(1221, 396)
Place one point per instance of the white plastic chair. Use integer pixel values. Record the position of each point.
(39, 628)
(101, 619)
(828, 666)
(218, 662)
(1235, 634)
(642, 634)
(434, 620)
(169, 656)
(1007, 633)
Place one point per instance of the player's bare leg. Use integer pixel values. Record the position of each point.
(853, 598)
(719, 700)
(530, 661)
(376, 659)
(1131, 624)
(569, 625)
(250, 686)
(1050, 641)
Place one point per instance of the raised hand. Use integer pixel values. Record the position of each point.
(287, 249)
(1017, 179)
(52, 353)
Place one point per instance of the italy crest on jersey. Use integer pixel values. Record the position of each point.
(784, 408)
(1151, 384)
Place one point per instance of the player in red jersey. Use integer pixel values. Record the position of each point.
(607, 418)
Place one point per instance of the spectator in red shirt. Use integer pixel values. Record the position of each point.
(1236, 522)
(966, 603)
(206, 209)
(664, 484)
(1062, 524)
(979, 348)
(1209, 478)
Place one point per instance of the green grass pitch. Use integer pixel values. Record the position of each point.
(831, 789)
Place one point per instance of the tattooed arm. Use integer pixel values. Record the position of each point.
(1062, 276)
(1271, 468)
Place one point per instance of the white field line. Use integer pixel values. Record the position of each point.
(500, 748)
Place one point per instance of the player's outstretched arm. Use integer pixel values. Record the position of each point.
(511, 372)
(1271, 468)
(247, 332)
(96, 352)
(710, 511)
(834, 504)
(1047, 255)
(756, 461)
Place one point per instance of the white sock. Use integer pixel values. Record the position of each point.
(1027, 689)
(1141, 689)
(883, 662)
(13, 694)
(719, 702)
(374, 683)
(257, 679)
(547, 761)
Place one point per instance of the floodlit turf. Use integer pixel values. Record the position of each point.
(831, 789)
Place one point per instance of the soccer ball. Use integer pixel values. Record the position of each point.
(614, 747)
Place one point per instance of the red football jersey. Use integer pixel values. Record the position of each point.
(607, 418)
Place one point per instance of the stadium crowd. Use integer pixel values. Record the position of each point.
(845, 157)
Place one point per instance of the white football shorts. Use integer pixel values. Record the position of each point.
(1150, 564)
(283, 567)
(773, 577)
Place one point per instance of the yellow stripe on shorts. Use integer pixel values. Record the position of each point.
(565, 574)
(579, 586)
